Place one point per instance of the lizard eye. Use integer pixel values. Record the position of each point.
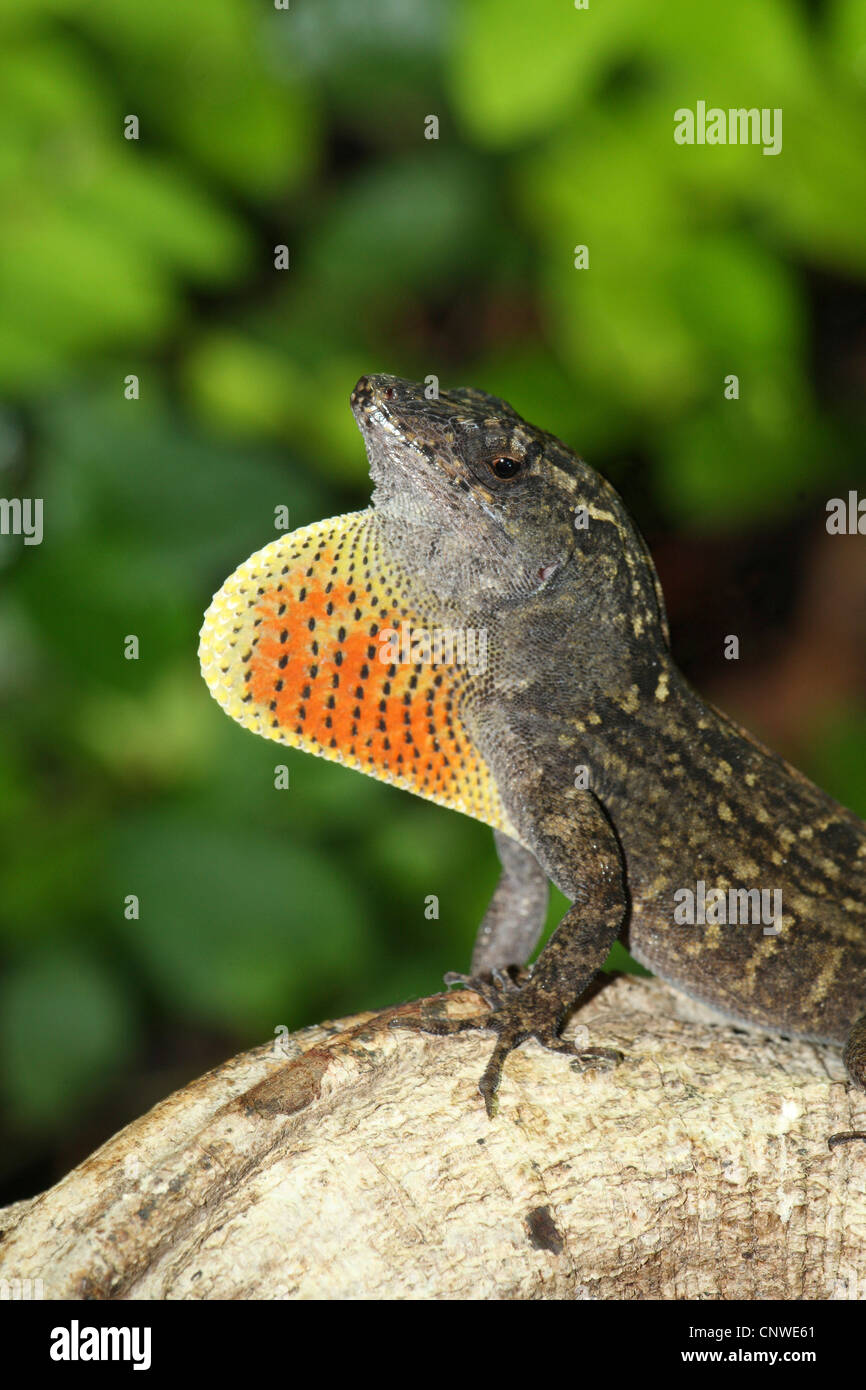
(505, 467)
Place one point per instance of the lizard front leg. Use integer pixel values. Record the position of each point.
(512, 923)
(576, 847)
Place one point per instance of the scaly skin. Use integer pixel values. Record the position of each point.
(578, 675)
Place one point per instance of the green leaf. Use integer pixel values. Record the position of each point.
(414, 222)
(518, 69)
(847, 38)
(749, 458)
(837, 757)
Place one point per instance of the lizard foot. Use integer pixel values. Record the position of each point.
(528, 1014)
(518, 1014)
(494, 986)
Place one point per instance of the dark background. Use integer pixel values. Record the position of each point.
(453, 257)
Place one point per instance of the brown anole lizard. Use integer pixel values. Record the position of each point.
(575, 737)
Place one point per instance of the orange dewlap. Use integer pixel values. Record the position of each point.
(292, 648)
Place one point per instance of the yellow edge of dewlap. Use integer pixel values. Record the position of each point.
(289, 650)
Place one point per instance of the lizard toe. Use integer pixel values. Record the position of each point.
(495, 986)
(440, 1027)
(846, 1137)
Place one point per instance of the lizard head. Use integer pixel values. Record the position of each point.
(479, 502)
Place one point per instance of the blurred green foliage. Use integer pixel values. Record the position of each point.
(155, 257)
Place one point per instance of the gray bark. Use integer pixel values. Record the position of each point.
(357, 1161)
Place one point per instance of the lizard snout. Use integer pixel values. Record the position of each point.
(379, 392)
(362, 394)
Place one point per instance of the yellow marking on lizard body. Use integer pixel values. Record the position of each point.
(746, 869)
(599, 514)
(815, 887)
(767, 946)
(827, 976)
(292, 649)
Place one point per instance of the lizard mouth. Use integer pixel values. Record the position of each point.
(408, 439)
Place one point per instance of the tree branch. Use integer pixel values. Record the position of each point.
(357, 1160)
